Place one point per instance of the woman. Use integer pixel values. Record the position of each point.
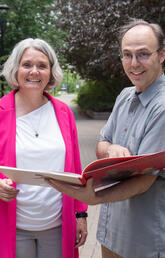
(37, 132)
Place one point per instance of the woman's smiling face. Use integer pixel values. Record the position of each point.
(34, 70)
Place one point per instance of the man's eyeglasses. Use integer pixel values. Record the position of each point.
(141, 56)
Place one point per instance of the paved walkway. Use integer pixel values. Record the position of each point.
(88, 132)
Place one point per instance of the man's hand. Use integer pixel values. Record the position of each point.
(117, 151)
(81, 232)
(7, 191)
(108, 150)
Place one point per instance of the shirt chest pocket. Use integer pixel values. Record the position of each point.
(133, 144)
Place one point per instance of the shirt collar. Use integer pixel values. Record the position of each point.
(146, 96)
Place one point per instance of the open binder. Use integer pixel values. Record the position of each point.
(104, 171)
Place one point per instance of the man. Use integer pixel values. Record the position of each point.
(132, 220)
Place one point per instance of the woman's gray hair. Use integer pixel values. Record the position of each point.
(11, 66)
(134, 22)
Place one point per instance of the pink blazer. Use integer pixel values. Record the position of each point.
(8, 158)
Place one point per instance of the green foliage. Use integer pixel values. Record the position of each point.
(31, 18)
(70, 79)
(96, 96)
(92, 42)
(4, 87)
(83, 33)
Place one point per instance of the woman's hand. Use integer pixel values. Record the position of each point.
(7, 191)
(85, 194)
(81, 232)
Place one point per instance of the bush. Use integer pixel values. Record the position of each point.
(4, 87)
(96, 96)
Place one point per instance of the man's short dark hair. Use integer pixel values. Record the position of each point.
(159, 34)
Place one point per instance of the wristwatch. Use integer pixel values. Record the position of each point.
(81, 215)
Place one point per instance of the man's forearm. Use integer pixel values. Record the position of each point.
(126, 189)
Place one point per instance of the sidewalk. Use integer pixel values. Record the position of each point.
(88, 133)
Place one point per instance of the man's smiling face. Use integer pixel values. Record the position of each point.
(141, 40)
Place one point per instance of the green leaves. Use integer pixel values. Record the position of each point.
(92, 43)
(28, 18)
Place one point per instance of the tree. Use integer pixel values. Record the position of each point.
(31, 18)
(92, 43)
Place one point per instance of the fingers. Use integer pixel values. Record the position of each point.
(126, 152)
(8, 198)
(80, 240)
(116, 151)
(7, 191)
(81, 232)
(55, 184)
(89, 183)
(8, 181)
(84, 194)
(63, 187)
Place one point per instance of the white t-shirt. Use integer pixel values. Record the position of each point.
(39, 207)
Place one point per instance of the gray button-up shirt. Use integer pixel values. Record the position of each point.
(135, 228)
